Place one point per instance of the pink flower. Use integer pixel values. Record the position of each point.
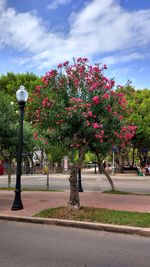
(76, 99)
(93, 87)
(96, 100)
(105, 96)
(120, 117)
(87, 123)
(95, 125)
(59, 66)
(89, 114)
(35, 134)
(124, 129)
(82, 60)
(76, 82)
(108, 108)
(96, 69)
(52, 73)
(38, 87)
(65, 63)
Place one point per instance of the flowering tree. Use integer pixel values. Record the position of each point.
(77, 106)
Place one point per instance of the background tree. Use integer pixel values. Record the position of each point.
(10, 83)
(139, 104)
(8, 118)
(9, 125)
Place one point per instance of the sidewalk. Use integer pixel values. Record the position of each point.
(89, 173)
(35, 201)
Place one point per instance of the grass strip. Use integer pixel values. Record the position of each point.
(116, 192)
(29, 189)
(89, 214)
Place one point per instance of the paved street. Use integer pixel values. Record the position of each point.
(30, 245)
(90, 182)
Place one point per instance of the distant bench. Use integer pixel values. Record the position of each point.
(140, 173)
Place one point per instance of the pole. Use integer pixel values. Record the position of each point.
(17, 204)
(80, 188)
(47, 182)
(113, 167)
(95, 168)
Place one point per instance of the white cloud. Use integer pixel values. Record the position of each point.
(2, 5)
(105, 27)
(56, 3)
(100, 27)
(117, 58)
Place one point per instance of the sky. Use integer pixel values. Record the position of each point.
(37, 35)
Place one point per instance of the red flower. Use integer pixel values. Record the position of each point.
(89, 114)
(65, 63)
(120, 117)
(59, 66)
(95, 125)
(105, 96)
(96, 100)
(87, 123)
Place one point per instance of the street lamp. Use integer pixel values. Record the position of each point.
(22, 96)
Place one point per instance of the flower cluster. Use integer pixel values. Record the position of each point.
(126, 133)
(41, 139)
(46, 103)
(96, 100)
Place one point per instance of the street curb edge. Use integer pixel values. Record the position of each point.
(78, 224)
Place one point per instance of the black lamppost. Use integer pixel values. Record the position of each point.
(22, 96)
(80, 188)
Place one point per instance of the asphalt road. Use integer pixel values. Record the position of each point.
(90, 182)
(31, 245)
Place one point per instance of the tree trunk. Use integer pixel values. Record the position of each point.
(95, 170)
(121, 162)
(9, 179)
(9, 173)
(74, 202)
(133, 157)
(101, 167)
(31, 164)
(109, 178)
(140, 156)
(42, 158)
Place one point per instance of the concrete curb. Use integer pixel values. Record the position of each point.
(78, 224)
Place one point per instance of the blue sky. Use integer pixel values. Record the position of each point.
(36, 35)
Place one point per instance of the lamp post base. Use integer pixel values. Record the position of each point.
(17, 204)
(80, 189)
